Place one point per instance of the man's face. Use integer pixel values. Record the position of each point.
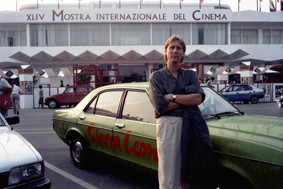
(174, 52)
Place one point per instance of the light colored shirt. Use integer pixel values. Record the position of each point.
(16, 89)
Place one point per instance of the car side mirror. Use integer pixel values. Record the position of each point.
(13, 120)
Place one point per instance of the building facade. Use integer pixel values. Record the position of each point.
(130, 38)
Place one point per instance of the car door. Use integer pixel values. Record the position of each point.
(67, 97)
(228, 93)
(80, 93)
(98, 120)
(136, 129)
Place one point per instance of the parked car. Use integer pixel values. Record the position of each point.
(279, 101)
(21, 166)
(71, 96)
(118, 121)
(242, 92)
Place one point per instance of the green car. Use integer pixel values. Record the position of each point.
(118, 120)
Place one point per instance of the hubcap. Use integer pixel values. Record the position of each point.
(52, 104)
(78, 151)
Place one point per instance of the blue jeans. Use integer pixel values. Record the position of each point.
(4, 112)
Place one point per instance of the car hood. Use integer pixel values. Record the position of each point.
(263, 134)
(15, 150)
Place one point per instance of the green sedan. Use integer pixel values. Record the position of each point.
(118, 120)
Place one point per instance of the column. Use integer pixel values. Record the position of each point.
(26, 85)
(246, 74)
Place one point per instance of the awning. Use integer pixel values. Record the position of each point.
(41, 56)
(66, 72)
(21, 57)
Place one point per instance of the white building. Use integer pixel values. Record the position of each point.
(130, 38)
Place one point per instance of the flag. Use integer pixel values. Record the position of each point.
(239, 5)
(272, 8)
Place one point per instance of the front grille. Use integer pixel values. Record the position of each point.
(4, 179)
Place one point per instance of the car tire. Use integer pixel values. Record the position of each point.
(52, 104)
(254, 99)
(246, 101)
(230, 180)
(79, 152)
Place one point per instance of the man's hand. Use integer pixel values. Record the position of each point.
(169, 97)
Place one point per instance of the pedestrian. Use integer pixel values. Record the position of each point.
(5, 99)
(41, 96)
(210, 82)
(180, 129)
(15, 97)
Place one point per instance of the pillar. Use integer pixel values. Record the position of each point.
(246, 74)
(26, 85)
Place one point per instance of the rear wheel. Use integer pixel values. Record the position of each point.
(246, 101)
(79, 152)
(254, 99)
(52, 104)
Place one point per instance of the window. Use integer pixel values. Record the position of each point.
(276, 36)
(108, 103)
(209, 34)
(130, 34)
(137, 107)
(89, 34)
(235, 36)
(266, 34)
(2, 38)
(250, 37)
(69, 90)
(81, 90)
(48, 34)
(161, 32)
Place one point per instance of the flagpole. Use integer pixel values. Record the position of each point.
(199, 4)
(16, 5)
(219, 5)
(180, 4)
(58, 4)
(238, 5)
(256, 5)
(79, 4)
(37, 4)
(160, 4)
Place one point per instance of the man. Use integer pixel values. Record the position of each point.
(41, 96)
(5, 100)
(172, 91)
(15, 98)
(210, 82)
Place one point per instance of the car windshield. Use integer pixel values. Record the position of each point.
(2, 122)
(215, 105)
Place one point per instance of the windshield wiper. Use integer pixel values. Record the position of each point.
(228, 113)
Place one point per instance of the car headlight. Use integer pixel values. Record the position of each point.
(26, 172)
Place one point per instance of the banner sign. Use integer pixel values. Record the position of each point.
(126, 15)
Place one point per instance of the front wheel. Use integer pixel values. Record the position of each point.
(254, 100)
(52, 104)
(79, 154)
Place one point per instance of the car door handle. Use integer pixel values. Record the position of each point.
(119, 126)
(81, 117)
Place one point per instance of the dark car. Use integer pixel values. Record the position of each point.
(71, 96)
(242, 92)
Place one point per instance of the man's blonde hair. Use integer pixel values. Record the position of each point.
(170, 40)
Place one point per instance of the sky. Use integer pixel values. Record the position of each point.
(244, 4)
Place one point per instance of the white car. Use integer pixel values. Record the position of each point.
(21, 166)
